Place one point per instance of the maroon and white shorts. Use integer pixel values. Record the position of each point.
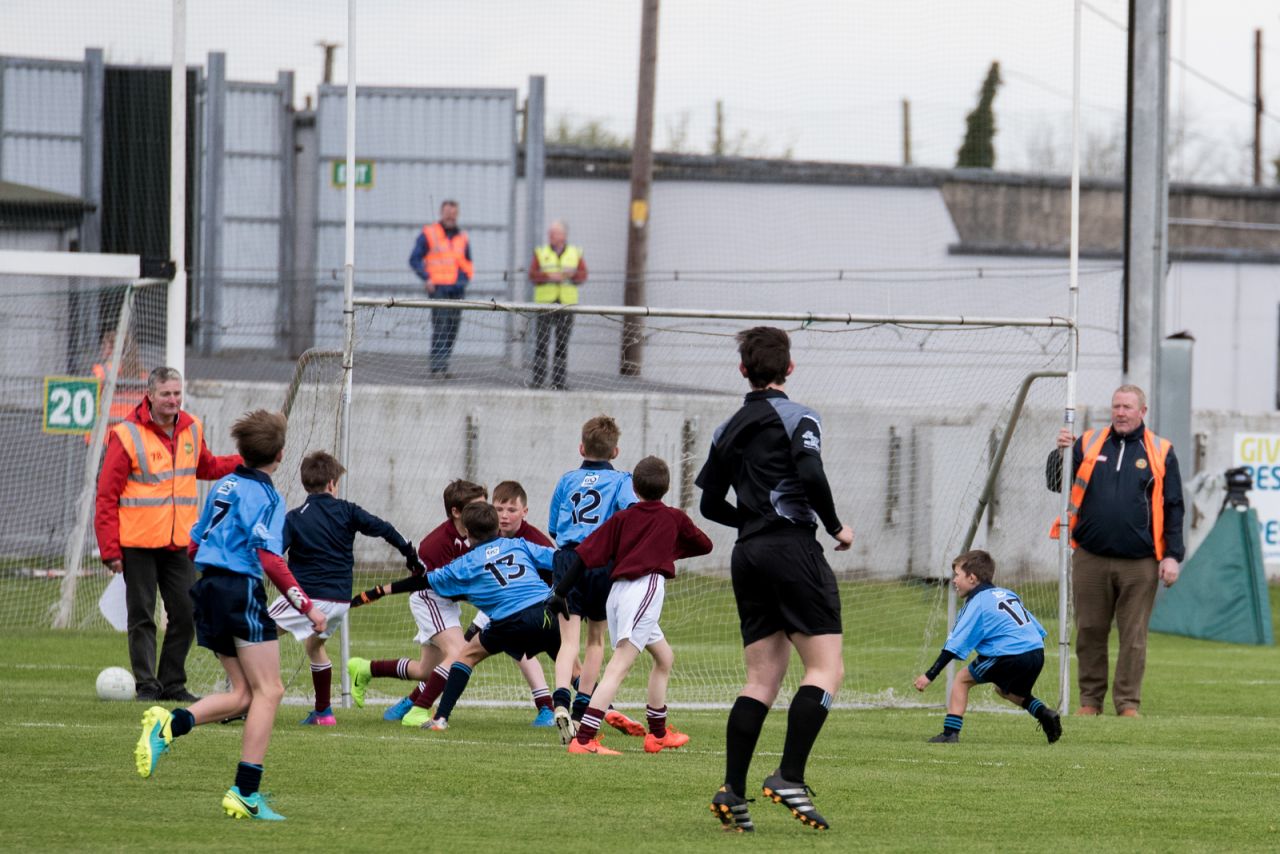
(633, 610)
(433, 613)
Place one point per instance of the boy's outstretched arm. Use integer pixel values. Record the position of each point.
(409, 584)
(278, 571)
(944, 658)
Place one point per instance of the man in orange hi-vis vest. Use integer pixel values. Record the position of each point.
(1126, 531)
(145, 508)
(442, 259)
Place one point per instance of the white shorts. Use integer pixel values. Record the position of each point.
(288, 619)
(481, 620)
(433, 613)
(634, 608)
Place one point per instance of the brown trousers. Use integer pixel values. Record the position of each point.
(1104, 589)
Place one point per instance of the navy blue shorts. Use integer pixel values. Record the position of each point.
(1012, 674)
(589, 598)
(229, 605)
(524, 633)
(782, 583)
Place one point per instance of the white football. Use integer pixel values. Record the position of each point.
(115, 683)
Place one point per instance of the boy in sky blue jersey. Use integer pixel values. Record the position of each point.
(238, 538)
(583, 500)
(501, 577)
(1009, 642)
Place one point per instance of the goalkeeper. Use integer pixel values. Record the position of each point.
(320, 536)
(1010, 645)
(500, 576)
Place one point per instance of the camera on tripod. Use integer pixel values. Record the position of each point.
(1238, 482)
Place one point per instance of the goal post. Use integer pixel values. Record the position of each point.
(914, 411)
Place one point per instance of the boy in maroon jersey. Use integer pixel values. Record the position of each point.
(644, 542)
(438, 619)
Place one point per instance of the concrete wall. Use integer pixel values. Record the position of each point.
(905, 477)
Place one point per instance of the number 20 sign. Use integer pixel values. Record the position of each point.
(70, 404)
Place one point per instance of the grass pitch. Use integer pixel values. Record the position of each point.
(1197, 772)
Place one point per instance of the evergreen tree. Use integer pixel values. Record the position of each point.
(978, 150)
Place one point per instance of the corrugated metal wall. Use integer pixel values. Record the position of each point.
(41, 120)
(246, 212)
(427, 145)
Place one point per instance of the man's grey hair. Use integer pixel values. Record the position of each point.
(161, 375)
(1136, 392)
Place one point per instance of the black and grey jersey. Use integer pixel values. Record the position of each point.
(770, 453)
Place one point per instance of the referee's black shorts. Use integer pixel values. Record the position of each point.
(524, 633)
(782, 583)
(1012, 674)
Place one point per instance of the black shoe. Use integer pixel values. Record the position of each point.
(732, 811)
(179, 695)
(1051, 723)
(795, 797)
(944, 738)
(148, 695)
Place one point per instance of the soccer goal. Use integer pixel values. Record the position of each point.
(80, 333)
(914, 409)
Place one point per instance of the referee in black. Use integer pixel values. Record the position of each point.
(770, 452)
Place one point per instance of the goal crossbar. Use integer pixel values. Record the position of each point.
(713, 314)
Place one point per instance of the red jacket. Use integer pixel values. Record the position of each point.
(115, 472)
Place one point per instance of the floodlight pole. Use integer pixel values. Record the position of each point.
(348, 306)
(175, 335)
(1073, 361)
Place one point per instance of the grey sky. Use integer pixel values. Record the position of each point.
(823, 80)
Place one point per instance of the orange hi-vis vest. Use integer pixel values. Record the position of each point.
(158, 505)
(1092, 441)
(445, 256)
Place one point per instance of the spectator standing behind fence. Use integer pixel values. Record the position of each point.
(556, 271)
(145, 508)
(442, 258)
(1126, 528)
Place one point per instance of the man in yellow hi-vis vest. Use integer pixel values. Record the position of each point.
(145, 508)
(557, 269)
(1125, 523)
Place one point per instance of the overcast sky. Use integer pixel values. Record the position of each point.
(821, 80)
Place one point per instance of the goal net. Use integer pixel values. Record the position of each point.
(913, 410)
(64, 341)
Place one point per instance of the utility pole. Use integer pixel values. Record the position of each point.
(328, 48)
(717, 144)
(1257, 108)
(906, 132)
(641, 181)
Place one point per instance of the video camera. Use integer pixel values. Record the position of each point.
(1238, 482)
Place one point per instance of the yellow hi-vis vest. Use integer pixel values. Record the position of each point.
(566, 292)
(158, 505)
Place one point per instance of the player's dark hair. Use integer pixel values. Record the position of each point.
(651, 478)
(318, 468)
(600, 438)
(481, 521)
(259, 437)
(510, 490)
(977, 563)
(459, 493)
(766, 354)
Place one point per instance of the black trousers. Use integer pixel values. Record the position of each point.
(145, 571)
(562, 325)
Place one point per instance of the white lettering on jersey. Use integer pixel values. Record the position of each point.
(261, 532)
(590, 479)
(811, 441)
(227, 487)
(492, 551)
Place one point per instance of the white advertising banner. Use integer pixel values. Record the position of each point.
(1260, 454)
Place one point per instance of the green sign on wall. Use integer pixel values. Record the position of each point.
(70, 404)
(364, 173)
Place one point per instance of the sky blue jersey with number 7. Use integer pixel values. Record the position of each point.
(242, 514)
(994, 622)
(585, 498)
(499, 577)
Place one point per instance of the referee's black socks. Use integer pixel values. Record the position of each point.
(805, 718)
(742, 731)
